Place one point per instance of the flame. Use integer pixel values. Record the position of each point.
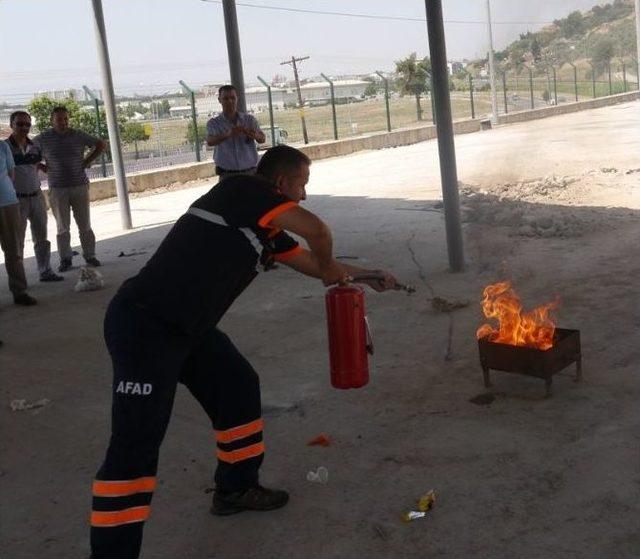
(515, 327)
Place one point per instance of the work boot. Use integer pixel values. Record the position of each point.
(93, 261)
(255, 498)
(50, 275)
(65, 265)
(24, 299)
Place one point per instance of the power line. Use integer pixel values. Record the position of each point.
(375, 16)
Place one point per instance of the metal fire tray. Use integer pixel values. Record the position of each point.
(530, 361)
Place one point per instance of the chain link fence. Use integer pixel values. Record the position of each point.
(159, 130)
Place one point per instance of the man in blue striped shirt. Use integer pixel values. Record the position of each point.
(234, 135)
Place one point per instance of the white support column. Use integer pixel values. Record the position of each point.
(110, 110)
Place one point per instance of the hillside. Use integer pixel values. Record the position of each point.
(605, 34)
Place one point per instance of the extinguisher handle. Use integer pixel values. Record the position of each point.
(380, 277)
(369, 337)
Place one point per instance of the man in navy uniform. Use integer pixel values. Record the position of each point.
(160, 329)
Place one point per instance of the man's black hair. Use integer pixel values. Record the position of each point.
(228, 87)
(280, 160)
(59, 109)
(16, 114)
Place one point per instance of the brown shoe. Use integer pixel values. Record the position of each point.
(255, 498)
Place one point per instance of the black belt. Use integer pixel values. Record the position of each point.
(30, 195)
(220, 171)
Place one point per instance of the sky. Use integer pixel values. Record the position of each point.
(50, 44)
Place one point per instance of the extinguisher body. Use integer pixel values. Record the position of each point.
(349, 340)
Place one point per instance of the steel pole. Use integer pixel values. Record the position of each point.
(533, 105)
(575, 79)
(504, 91)
(444, 126)
(233, 51)
(473, 108)
(96, 106)
(386, 99)
(333, 107)
(110, 110)
(492, 74)
(555, 86)
(273, 130)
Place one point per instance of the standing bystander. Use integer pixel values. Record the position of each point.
(10, 230)
(33, 207)
(234, 135)
(63, 150)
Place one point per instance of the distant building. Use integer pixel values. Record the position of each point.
(319, 92)
(180, 111)
(77, 94)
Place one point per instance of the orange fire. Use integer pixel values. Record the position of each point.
(515, 327)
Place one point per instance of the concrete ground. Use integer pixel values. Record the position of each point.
(523, 476)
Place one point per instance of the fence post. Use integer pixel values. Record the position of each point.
(610, 84)
(624, 75)
(637, 72)
(593, 78)
(96, 104)
(194, 117)
(473, 108)
(386, 99)
(555, 86)
(333, 107)
(504, 91)
(546, 71)
(533, 105)
(273, 130)
(575, 79)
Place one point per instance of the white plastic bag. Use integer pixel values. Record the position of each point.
(89, 280)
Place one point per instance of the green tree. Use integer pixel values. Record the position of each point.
(202, 133)
(40, 109)
(371, 90)
(132, 133)
(572, 25)
(160, 109)
(413, 77)
(603, 51)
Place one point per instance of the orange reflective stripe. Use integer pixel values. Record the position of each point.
(241, 454)
(104, 519)
(236, 433)
(282, 256)
(270, 215)
(103, 488)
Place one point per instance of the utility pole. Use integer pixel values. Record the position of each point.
(492, 74)
(293, 63)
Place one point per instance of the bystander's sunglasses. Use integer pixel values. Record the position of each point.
(19, 123)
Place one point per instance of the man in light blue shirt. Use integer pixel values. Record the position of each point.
(10, 229)
(234, 135)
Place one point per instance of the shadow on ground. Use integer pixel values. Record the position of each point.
(520, 477)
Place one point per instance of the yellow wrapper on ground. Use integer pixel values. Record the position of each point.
(427, 501)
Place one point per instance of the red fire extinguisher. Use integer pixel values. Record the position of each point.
(349, 336)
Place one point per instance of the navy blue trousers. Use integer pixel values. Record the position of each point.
(149, 359)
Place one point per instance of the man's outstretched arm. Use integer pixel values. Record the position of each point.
(319, 262)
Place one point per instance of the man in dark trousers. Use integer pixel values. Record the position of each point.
(160, 329)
